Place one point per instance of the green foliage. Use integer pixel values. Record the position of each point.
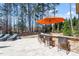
(61, 26)
(67, 30)
(58, 27)
(76, 33)
(47, 28)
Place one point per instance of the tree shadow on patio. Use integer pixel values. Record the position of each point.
(4, 46)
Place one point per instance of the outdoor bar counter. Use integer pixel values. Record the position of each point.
(68, 37)
(62, 42)
(62, 36)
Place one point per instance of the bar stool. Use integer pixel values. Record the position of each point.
(49, 41)
(63, 44)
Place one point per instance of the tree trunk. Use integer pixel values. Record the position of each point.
(78, 21)
(54, 16)
(29, 16)
(10, 27)
(6, 11)
(71, 20)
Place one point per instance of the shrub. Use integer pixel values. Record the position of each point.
(67, 30)
(76, 33)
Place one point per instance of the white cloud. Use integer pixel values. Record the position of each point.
(65, 15)
(68, 13)
(73, 6)
(50, 11)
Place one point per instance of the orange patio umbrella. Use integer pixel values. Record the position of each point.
(51, 20)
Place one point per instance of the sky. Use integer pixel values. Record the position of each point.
(64, 10)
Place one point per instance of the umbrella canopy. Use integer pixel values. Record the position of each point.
(52, 20)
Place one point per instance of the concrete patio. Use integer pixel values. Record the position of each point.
(29, 46)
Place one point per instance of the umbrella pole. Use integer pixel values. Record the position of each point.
(44, 28)
(52, 27)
